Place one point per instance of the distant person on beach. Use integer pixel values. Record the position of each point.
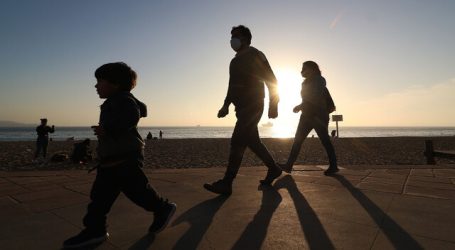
(333, 133)
(161, 134)
(121, 154)
(81, 152)
(315, 108)
(149, 136)
(248, 71)
(43, 137)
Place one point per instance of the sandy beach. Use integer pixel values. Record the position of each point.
(201, 153)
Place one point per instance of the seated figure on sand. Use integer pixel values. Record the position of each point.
(81, 152)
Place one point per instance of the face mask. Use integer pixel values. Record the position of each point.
(303, 72)
(236, 44)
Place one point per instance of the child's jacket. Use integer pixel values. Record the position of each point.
(119, 116)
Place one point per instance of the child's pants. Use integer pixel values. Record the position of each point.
(127, 178)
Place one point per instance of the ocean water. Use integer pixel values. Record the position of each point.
(78, 133)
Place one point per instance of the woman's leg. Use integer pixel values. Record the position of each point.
(303, 129)
(321, 127)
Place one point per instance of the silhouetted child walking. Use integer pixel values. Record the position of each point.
(120, 151)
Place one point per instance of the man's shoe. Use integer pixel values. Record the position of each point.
(331, 170)
(285, 167)
(272, 174)
(85, 238)
(221, 186)
(162, 217)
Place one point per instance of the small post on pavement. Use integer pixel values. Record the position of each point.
(429, 152)
(336, 119)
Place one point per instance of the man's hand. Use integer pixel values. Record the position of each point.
(273, 111)
(224, 111)
(297, 108)
(98, 130)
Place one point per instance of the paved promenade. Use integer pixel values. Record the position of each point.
(364, 207)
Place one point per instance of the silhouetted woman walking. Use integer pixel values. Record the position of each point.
(316, 106)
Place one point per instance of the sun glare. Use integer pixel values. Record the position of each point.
(289, 84)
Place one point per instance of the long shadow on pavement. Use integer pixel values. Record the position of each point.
(394, 232)
(89, 247)
(254, 234)
(315, 233)
(143, 243)
(199, 217)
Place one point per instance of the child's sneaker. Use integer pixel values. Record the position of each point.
(163, 217)
(221, 186)
(85, 238)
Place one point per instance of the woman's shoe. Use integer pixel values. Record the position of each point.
(331, 170)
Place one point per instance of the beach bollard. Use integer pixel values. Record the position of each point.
(429, 152)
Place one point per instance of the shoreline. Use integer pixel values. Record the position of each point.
(71, 140)
(213, 152)
(183, 132)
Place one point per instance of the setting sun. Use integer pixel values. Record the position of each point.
(289, 84)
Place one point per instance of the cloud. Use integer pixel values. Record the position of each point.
(415, 106)
(336, 19)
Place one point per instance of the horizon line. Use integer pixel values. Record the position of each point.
(215, 126)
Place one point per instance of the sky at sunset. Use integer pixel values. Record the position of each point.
(387, 63)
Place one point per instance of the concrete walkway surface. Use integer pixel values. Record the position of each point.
(363, 207)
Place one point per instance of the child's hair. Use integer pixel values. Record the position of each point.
(118, 73)
(313, 66)
(244, 31)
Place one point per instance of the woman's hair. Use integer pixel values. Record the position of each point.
(313, 66)
(244, 31)
(118, 73)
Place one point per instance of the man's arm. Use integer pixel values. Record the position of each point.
(272, 85)
(224, 110)
(228, 99)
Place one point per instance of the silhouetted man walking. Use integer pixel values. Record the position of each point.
(248, 71)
